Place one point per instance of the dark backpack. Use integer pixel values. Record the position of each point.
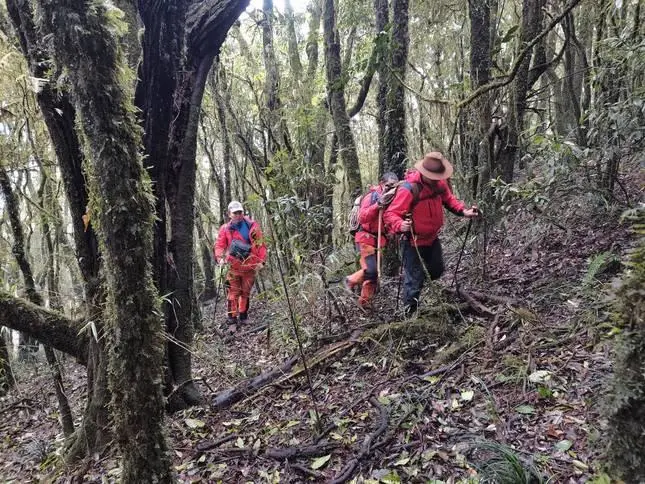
(240, 249)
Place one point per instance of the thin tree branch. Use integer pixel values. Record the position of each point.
(511, 75)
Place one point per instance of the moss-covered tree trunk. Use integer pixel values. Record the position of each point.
(84, 44)
(626, 396)
(60, 119)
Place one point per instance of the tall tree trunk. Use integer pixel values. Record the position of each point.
(83, 43)
(222, 177)
(181, 198)
(531, 25)
(203, 45)
(315, 14)
(396, 158)
(169, 93)
(32, 294)
(163, 48)
(294, 56)
(7, 380)
(277, 134)
(381, 8)
(336, 93)
(318, 185)
(479, 142)
(46, 201)
(60, 119)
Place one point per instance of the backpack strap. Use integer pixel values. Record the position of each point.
(248, 227)
(415, 189)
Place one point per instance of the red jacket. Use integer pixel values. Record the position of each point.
(427, 212)
(368, 218)
(258, 250)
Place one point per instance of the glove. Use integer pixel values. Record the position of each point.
(386, 198)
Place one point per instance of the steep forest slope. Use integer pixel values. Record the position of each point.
(501, 378)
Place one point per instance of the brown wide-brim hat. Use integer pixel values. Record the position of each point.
(434, 166)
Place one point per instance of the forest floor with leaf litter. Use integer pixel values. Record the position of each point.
(507, 376)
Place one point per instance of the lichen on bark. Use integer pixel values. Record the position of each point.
(85, 46)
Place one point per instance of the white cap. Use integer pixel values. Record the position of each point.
(235, 206)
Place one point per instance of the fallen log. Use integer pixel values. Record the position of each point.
(49, 327)
(233, 395)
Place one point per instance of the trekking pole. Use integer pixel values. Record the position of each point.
(398, 286)
(378, 246)
(461, 252)
(408, 216)
(218, 288)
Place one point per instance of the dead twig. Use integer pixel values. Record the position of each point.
(301, 451)
(256, 329)
(348, 471)
(22, 404)
(204, 446)
(494, 298)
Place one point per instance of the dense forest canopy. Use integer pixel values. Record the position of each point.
(127, 129)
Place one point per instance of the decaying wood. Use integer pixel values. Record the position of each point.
(233, 395)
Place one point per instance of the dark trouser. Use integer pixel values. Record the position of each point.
(415, 273)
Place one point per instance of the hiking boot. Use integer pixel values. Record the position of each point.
(410, 311)
(243, 316)
(231, 320)
(367, 293)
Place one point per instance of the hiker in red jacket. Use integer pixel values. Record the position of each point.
(371, 209)
(241, 245)
(417, 212)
